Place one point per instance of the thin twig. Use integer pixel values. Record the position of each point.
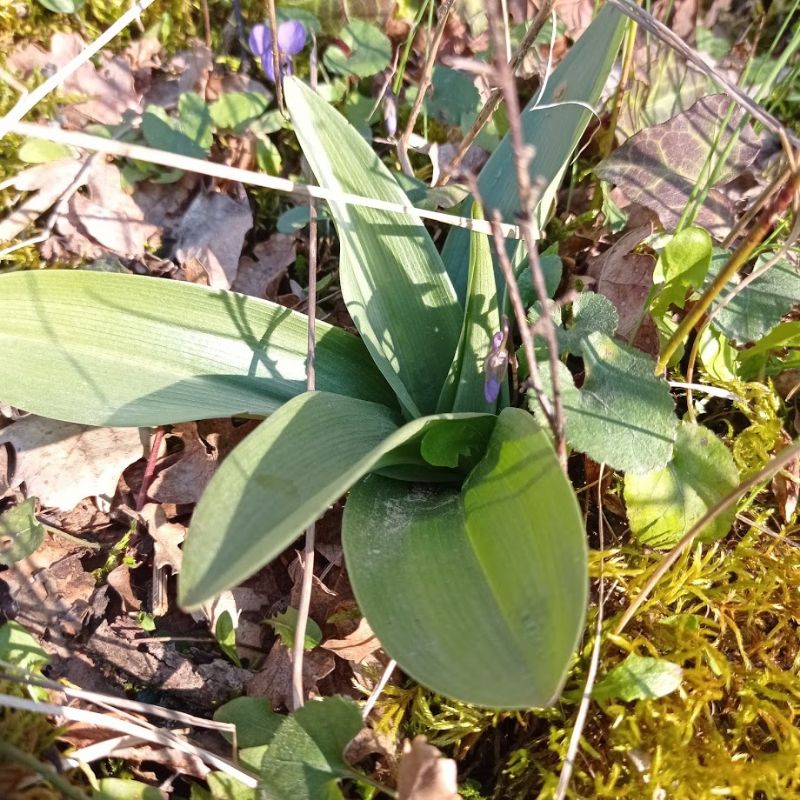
(523, 325)
(774, 465)
(424, 84)
(662, 32)
(493, 101)
(304, 605)
(376, 692)
(591, 675)
(28, 101)
(150, 734)
(249, 177)
(276, 56)
(206, 23)
(522, 155)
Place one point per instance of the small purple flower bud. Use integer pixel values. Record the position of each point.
(496, 364)
(390, 112)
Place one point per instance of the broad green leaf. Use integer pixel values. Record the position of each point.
(453, 97)
(39, 151)
(285, 625)
(717, 356)
(682, 266)
(367, 50)
(660, 166)
(553, 132)
(463, 389)
(663, 504)
(282, 477)
(448, 445)
(623, 414)
(125, 350)
(392, 277)
(188, 134)
(639, 678)
(20, 532)
(235, 110)
(18, 647)
(254, 719)
(761, 305)
(480, 593)
(305, 759)
(225, 634)
(552, 269)
(591, 312)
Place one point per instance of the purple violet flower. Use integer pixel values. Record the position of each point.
(496, 363)
(291, 40)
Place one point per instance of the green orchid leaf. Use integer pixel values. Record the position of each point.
(463, 389)
(392, 277)
(125, 350)
(282, 477)
(478, 593)
(305, 758)
(639, 678)
(623, 414)
(665, 503)
(552, 132)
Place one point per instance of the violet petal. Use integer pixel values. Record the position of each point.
(491, 389)
(260, 40)
(291, 37)
(268, 66)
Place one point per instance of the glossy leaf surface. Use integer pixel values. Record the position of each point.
(478, 593)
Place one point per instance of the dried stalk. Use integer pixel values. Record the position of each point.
(276, 56)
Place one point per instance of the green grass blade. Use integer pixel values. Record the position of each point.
(108, 349)
(553, 133)
(392, 277)
(283, 476)
(479, 594)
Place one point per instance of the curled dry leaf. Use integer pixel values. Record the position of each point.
(61, 463)
(167, 537)
(424, 774)
(212, 232)
(357, 646)
(261, 275)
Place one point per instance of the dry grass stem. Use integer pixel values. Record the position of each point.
(174, 161)
(28, 101)
(276, 56)
(424, 85)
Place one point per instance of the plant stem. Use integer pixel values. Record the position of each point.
(276, 56)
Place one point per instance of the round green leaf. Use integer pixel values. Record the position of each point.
(366, 51)
(664, 503)
(480, 593)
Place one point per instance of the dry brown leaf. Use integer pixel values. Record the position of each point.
(110, 88)
(61, 463)
(575, 14)
(167, 537)
(45, 184)
(424, 774)
(109, 215)
(188, 71)
(183, 476)
(260, 277)
(357, 646)
(274, 681)
(119, 579)
(212, 232)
